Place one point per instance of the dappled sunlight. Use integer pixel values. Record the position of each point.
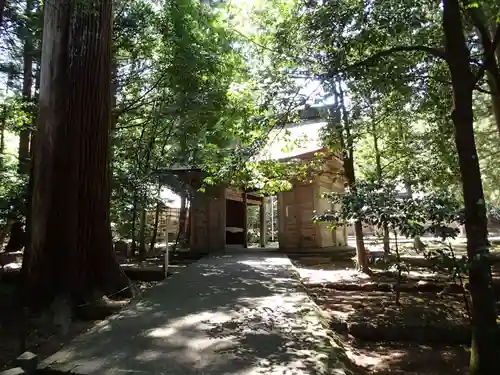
(372, 359)
(175, 326)
(411, 359)
(149, 355)
(243, 314)
(379, 307)
(422, 274)
(318, 276)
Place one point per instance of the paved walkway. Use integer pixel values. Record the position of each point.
(237, 314)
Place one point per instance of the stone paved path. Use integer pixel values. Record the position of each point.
(237, 314)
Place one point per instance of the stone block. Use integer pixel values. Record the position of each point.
(13, 371)
(27, 361)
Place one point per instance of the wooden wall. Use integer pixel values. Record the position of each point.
(208, 220)
(296, 209)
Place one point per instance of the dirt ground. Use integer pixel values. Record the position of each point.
(426, 334)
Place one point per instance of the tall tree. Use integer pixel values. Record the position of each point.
(347, 145)
(71, 255)
(485, 330)
(349, 38)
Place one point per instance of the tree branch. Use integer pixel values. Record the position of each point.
(433, 51)
(136, 103)
(489, 42)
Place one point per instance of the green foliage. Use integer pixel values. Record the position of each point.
(444, 260)
(12, 193)
(380, 204)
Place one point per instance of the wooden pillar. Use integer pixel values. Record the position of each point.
(245, 220)
(262, 217)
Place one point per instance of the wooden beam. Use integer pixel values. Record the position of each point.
(245, 221)
(237, 196)
(263, 229)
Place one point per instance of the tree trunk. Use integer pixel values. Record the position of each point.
(485, 347)
(114, 118)
(491, 55)
(182, 220)
(3, 119)
(417, 242)
(189, 221)
(142, 233)
(157, 220)
(348, 154)
(378, 166)
(24, 135)
(72, 257)
(134, 221)
(2, 10)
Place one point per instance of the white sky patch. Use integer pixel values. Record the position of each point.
(293, 140)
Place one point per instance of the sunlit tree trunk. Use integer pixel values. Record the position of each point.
(348, 155)
(378, 167)
(157, 219)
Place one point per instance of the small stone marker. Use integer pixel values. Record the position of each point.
(27, 361)
(13, 371)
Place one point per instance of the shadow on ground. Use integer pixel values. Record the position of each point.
(231, 314)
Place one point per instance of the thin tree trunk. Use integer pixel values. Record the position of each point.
(157, 220)
(183, 220)
(188, 226)
(2, 10)
(3, 119)
(142, 233)
(72, 258)
(24, 136)
(417, 242)
(491, 56)
(114, 118)
(134, 221)
(378, 166)
(485, 345)
(348, 153)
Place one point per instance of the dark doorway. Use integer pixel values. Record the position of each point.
(235, 222)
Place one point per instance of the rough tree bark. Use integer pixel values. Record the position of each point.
(71, 252)
(485, 346)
